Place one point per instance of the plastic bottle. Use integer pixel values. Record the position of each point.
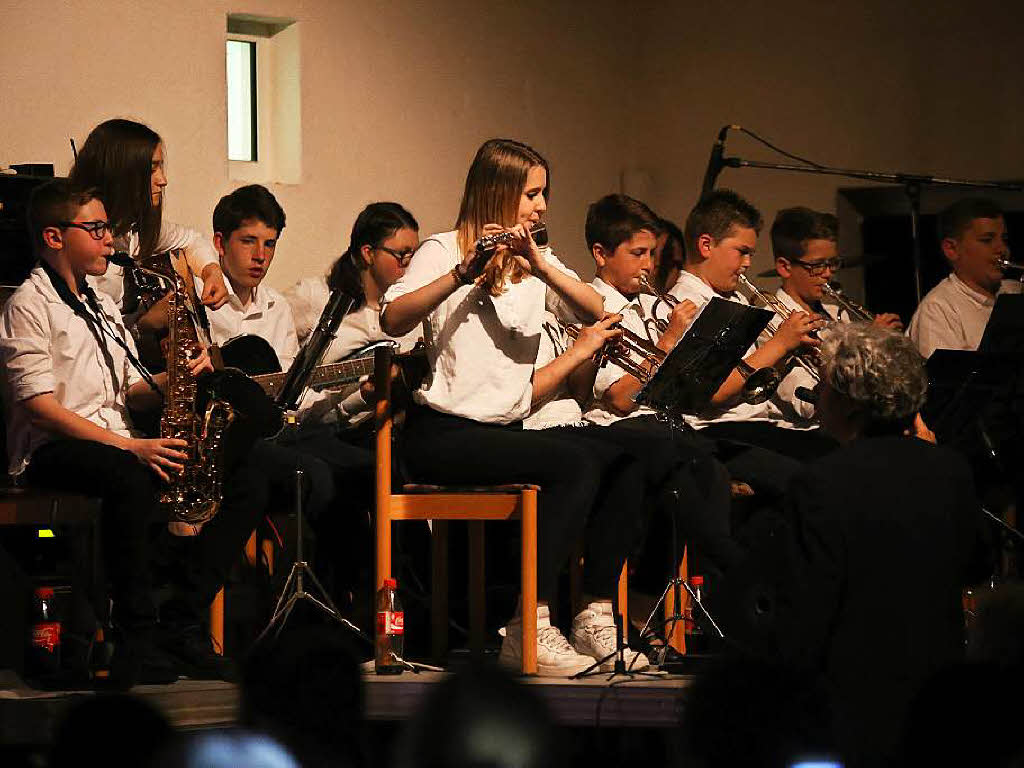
(44, 643)
(696, 642)
(390, 630)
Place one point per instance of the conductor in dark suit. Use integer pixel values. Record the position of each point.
(883, 534)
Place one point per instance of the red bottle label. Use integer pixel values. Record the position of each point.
(46, 635)
(390, 622)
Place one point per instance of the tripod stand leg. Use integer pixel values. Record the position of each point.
(285, 614)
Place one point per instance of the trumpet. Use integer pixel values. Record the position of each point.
(856, 312)
(809, 360)
(631, 352)
(667, 299)
(487, 245)
(1009, 266)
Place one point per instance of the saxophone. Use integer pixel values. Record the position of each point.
(193, 496)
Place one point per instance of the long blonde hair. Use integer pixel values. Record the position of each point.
(494, 186)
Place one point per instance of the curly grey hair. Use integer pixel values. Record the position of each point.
(877, 368)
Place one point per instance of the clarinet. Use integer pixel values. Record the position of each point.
(301, 370)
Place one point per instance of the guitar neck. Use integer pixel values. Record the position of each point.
(345, 372)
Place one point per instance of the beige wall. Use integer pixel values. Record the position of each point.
(921, 87)
(397, 96)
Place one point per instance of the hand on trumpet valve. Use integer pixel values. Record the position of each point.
(593, 338)
(799, 330)
(679, 320)
(888, 320)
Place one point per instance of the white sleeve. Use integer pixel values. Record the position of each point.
(933, 327)
(201, 252)
(431, 260)
(307, 298)
(554, 303)
(25, 351)
(286, 342)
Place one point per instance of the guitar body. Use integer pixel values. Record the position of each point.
(250, 354)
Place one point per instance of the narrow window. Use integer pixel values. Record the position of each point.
(242, 101)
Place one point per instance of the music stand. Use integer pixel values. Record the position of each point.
(714, 343)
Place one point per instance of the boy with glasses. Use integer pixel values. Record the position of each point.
(71, 374)
(804, 243)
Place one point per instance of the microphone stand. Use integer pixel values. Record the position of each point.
(294, 387)
(911, 183)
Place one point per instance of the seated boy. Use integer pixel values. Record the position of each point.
(721, 236)
(71, 373)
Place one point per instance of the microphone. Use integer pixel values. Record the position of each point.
(121, 259)
(715, 161)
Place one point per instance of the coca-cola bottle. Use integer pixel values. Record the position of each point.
(390, 630)
(44, 642)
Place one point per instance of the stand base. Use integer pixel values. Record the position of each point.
(287, 602)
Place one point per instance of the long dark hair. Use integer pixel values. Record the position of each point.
(117, 158)
(374, 224)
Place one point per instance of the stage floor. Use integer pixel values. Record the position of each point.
(28, 716)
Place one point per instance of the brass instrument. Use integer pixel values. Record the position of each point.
(856, 312)
(808, 359)
(487, 245)
(667, 299)
(1010, 266)
(631, 352)
(193, 496)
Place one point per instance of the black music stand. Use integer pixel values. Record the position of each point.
(715, 342)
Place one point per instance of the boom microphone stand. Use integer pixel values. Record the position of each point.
(911, 183)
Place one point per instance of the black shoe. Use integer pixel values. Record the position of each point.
(137, 660)
(193, 648)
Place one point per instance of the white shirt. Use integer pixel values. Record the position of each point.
(268, 316)
(559, 408)
(46, 348)
(690, 286)
(307, 298)
(172, 237)
(481, 348)
(797, 414)
(953, 316)
(637, 316)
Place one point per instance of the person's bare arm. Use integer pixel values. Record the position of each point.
(162, 455)
(548, 378)
(619, 397)
(795, 331)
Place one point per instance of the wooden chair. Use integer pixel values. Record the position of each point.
(253, 548)
(442, 504)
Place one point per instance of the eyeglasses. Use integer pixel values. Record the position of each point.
(815, 268)
(98, 229)
(402, 257)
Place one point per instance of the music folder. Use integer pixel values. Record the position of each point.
(714, 343)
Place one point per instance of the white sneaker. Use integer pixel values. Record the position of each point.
(593, 634)
(555, 657)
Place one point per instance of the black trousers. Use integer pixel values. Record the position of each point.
(576, 477)
(129, 493)
(688, 486)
